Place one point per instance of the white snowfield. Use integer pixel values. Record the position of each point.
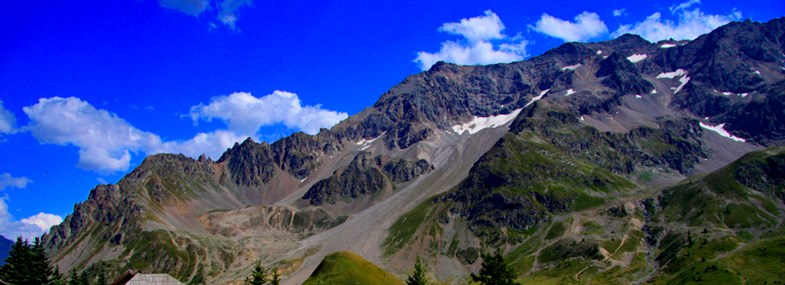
(569, 92)
(537, 98)
(667, 45)
(481, 123)
(683, 80)
(570, 67)
(673, 74)
(635, 58)
(367, 143)
(721, 131)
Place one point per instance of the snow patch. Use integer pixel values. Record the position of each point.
(481, 123)
(667, 45)
(367, 143)
(581, 117)
(303, 180)
(654, 91)
(569, 92)
(683, 80)
(671, 75)
(742, 95)
(638, 96)
(570, 67)
(721, 131)
(599, 51)
(636, 57)
(537, 98)
(757, 72)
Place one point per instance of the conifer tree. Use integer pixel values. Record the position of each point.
(275, 278)
(73, 277)
(28, 264)
(102, 278)
(258, 277)
(495, 271)
(419, 276)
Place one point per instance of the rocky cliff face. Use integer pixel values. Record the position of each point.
(365, 175)
(567, 150)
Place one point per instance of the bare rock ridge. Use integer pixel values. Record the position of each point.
(529, 157)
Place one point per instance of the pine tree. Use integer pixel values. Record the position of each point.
(28, 264)
(17, 264)
(57, 277)
(258, 277)
(102, 278)
(495, 271)
(275, 278)
(74, 278)
(82, 279)
(40, 270)
(418, 277)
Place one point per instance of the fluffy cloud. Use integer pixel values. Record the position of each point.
(619, 12)
(245, 114)
(190, 7)
(226, 9)
(684, 6)
(476, 46)
(43, 221)
(211, 144)
(228, 12)
(586, 26)
(7, 120)
(105, 140)
(28, 228)
(6, 181)
(690, 24)
(488, 27)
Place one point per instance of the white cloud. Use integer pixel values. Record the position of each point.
(684, 6)
(212, 144)
(107, 143)
(690, 24)
(619, 12)
(190, 7)
(228, 12)
(43, 221)
(28, 228)
(587, 25)
(105, 140)
(6, 180)
(245, 114)
(7, 120)
(481, 28)
(476, 48)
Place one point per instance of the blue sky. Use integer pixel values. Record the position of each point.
(89, 88)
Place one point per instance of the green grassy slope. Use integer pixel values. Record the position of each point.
(345, 267)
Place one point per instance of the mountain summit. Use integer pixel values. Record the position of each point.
(609, 162)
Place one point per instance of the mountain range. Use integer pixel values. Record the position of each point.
(622, 161)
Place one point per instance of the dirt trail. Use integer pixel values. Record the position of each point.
(623, 240)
